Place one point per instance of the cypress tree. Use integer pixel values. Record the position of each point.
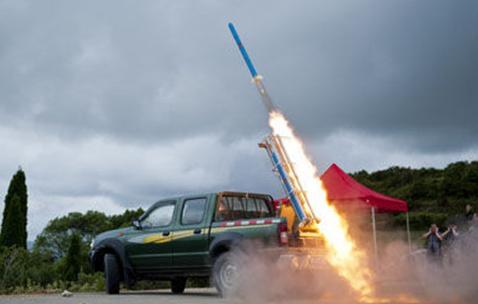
(17, 188)
(73, 259)
(11, 233)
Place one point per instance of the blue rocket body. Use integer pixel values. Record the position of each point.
(246, 57)
(266, 100)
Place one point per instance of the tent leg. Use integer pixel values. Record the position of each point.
(408, 235)
(374, 231)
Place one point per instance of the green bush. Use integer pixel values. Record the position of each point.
(13, 268)
(145, 285)
(59, 259)
(198, 282)
(88, 282)
(42, 270)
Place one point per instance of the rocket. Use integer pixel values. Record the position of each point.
(274, 146)
(256, 78)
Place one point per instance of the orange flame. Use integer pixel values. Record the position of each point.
(343, 254)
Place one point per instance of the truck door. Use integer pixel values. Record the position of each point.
(150, 248)
(191, 236)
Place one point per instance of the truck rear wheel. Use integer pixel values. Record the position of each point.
(112, 274)
(178, 285)
(225, 273)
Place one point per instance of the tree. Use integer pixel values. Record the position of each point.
(471, 179)
(125, 219)
(74, 259)
(17, 188)
(55, 237)
(453, 184)
(12, 226)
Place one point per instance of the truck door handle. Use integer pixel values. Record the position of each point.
(166, 233)
(197, 231)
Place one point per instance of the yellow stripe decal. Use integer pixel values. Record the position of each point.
(159, 238)
(221, 229)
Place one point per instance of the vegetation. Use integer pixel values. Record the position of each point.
(73, 259)
(434, 195)
(58, 259)
(14, 224)
(22, 271)
(55, 237)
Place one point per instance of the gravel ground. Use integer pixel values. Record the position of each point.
(190, 296)
(197, 296)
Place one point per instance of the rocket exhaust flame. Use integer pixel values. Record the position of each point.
(343, 253)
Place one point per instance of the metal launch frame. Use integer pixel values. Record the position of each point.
(283, 168)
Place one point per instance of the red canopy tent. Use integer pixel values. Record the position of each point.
(342, 189)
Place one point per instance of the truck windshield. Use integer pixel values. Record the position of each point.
(160, 216)
(230, 208)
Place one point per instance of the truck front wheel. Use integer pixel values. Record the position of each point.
(112, 274)
(225, 273)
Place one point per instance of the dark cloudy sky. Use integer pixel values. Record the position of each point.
(114, 104)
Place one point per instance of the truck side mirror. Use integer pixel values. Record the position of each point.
(137, 225)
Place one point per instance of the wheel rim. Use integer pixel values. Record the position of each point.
(228, 274)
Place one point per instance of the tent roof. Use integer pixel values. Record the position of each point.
(343, 189)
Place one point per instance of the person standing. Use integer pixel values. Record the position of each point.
(449, 238)
(473, 229)
(469, 213)
(434, 240)
(450, 234)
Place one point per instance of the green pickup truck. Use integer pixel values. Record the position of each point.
(189, 236)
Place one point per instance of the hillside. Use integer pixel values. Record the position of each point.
(434, 195)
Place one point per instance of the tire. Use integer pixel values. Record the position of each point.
(112, 274)
(225, 273)
(178, 285)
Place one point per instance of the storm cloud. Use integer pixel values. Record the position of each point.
(116, 104)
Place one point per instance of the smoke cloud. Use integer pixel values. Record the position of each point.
(400, 277)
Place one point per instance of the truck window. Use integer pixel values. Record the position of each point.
(222, 212)
(264, 209)
(193, 211)
(251, 208)
(159, 217)
(232, 208)
(237, 207)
